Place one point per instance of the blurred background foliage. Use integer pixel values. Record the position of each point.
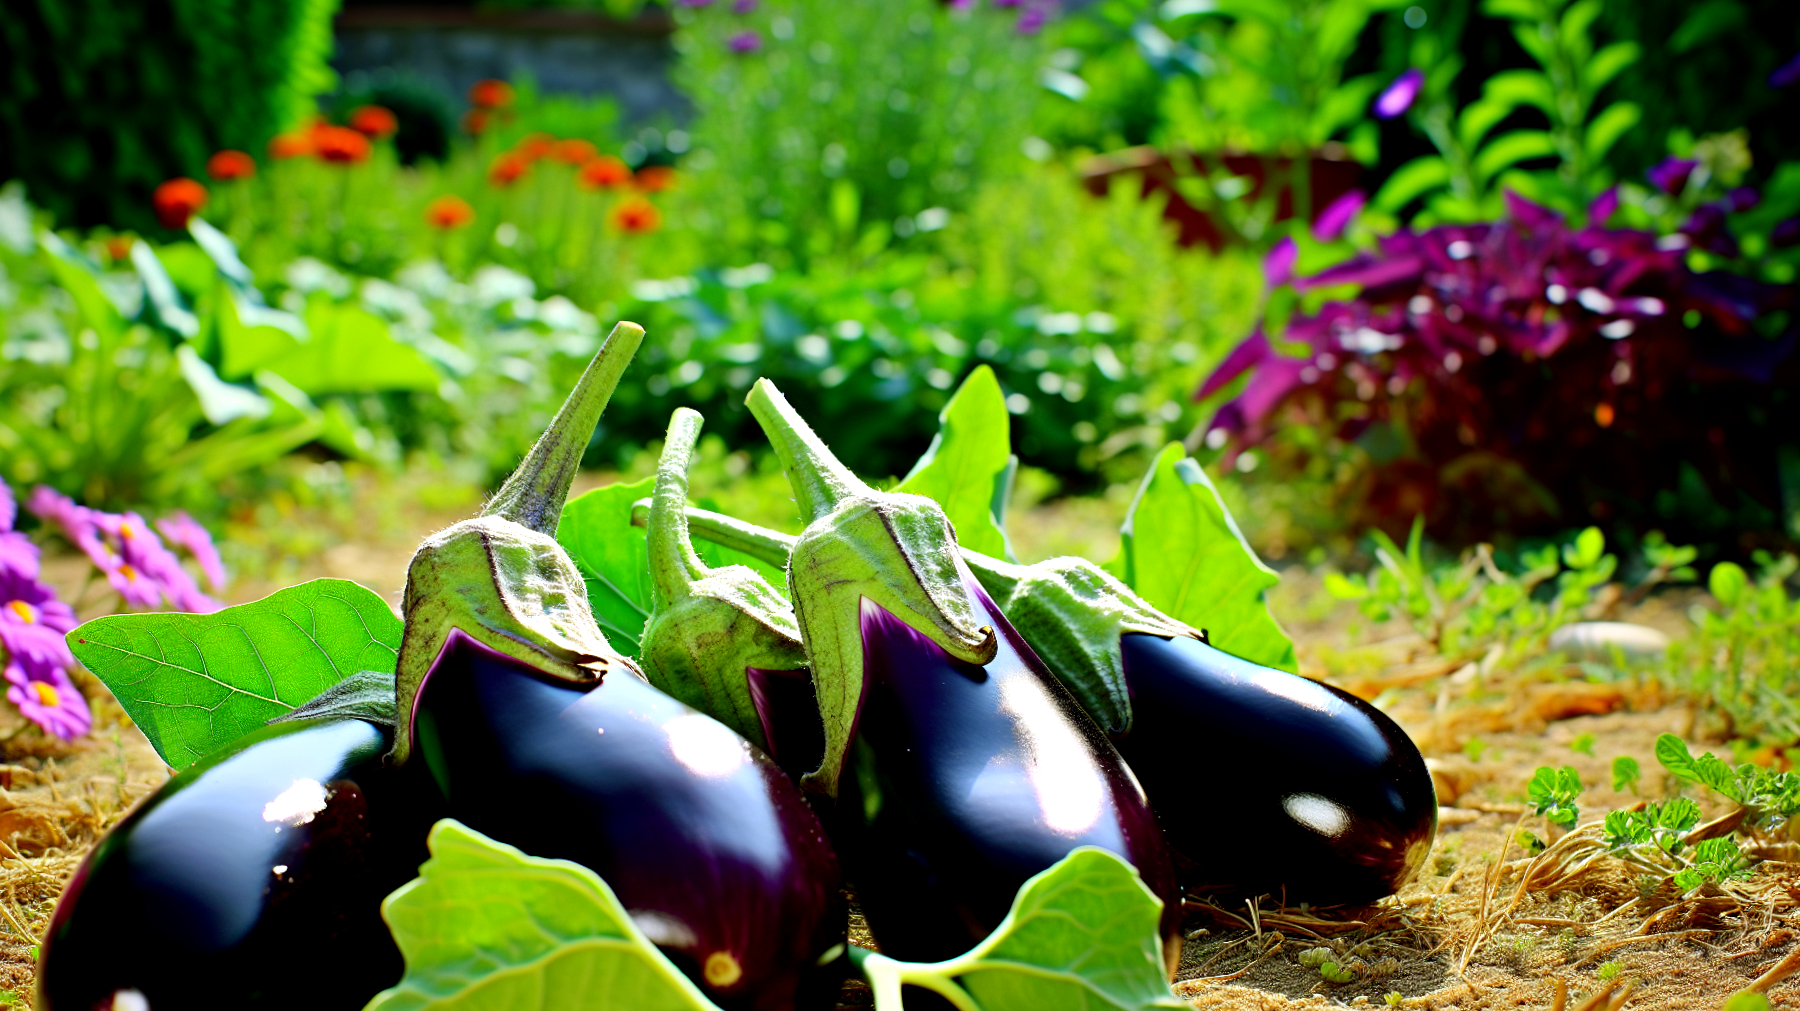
(864, 202)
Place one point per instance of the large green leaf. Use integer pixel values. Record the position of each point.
(195, 682)
(486, 928)
(968, 461)
(1183, 552)
(251, 335)
(614, 559)
(75, 275)
(1412, 180)
(1081, 936)
(352, 351)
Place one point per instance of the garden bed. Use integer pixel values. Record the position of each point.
(1456, 936)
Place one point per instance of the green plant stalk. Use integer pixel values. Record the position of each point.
(1070, 611)
(707, 626)
(501, 577)
(894, 550)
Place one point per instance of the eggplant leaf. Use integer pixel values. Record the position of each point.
(614, 559)
(966, 466)
(486, 927)
(1183, 552)
(196, 682)
(1081, 934)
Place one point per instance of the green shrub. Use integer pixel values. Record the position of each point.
(104, 99)
(849, 118)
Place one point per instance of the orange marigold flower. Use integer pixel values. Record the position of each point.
(655, 178)
(448, 212)
(535, 145)
(490, 94)
(375, 122)
(637, 216)
(228, 165)
(118, 247)
(176, 201)
(574, 152)
(297, 144)
(475, 122)
(507, 168)
(604, 173)
(340, 144)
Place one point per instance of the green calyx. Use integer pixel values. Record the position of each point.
(706, 625)
(1070, 611)
(501, 577)
(895, 550)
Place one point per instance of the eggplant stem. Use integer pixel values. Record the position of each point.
(820, 481)
(760, 543)
(997, 577)
(673, 563)
(887, 975)
(533, 496)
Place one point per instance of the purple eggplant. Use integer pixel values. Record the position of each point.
(539, 734)
(954, 765)
(704, 839)
(1308, 790)
(966, 780)
(1338, 806)
(274, 853)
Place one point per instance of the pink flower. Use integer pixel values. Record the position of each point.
(52, 702)
(76, 523)
(128, 552)
(1278, 264)
(32, 625)
(186, 533)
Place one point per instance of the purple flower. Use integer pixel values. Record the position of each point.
(51, 701)
(694, 3)
(1528, 213)
(745, 42)
(76, 523)
(1671, 174)
(1787, 75)
(1278, 264)
(18, 555)
(1743, 198)
(744, 7)
(1032, 20)
(1399, 96)
(185, 532)
(32, 624)
(147, 570)
(1336, 217)
(1785, 234)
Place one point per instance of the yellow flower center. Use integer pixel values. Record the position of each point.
(722, 970)
(126, 531)
(128, 572)
(26, 613)
(47, 695)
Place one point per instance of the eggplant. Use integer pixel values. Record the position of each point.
(954, 767)
(1326, 799)
(538, 733)
(967, 780)
(1337, 805)
(253, 879)
(704, 839)
(722, 640)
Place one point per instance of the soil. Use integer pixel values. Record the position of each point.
(1459, 936)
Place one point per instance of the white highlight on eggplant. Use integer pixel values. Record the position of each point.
(279, 869)
(298, 804)
(1063, 774)
(706, 746)
(663, 929)
(1321, 814)
(1295, 689)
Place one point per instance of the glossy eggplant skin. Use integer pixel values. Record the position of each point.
(252, 880)
(1267, 782)
(964, 781)
(702, 837)
(787, 704)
